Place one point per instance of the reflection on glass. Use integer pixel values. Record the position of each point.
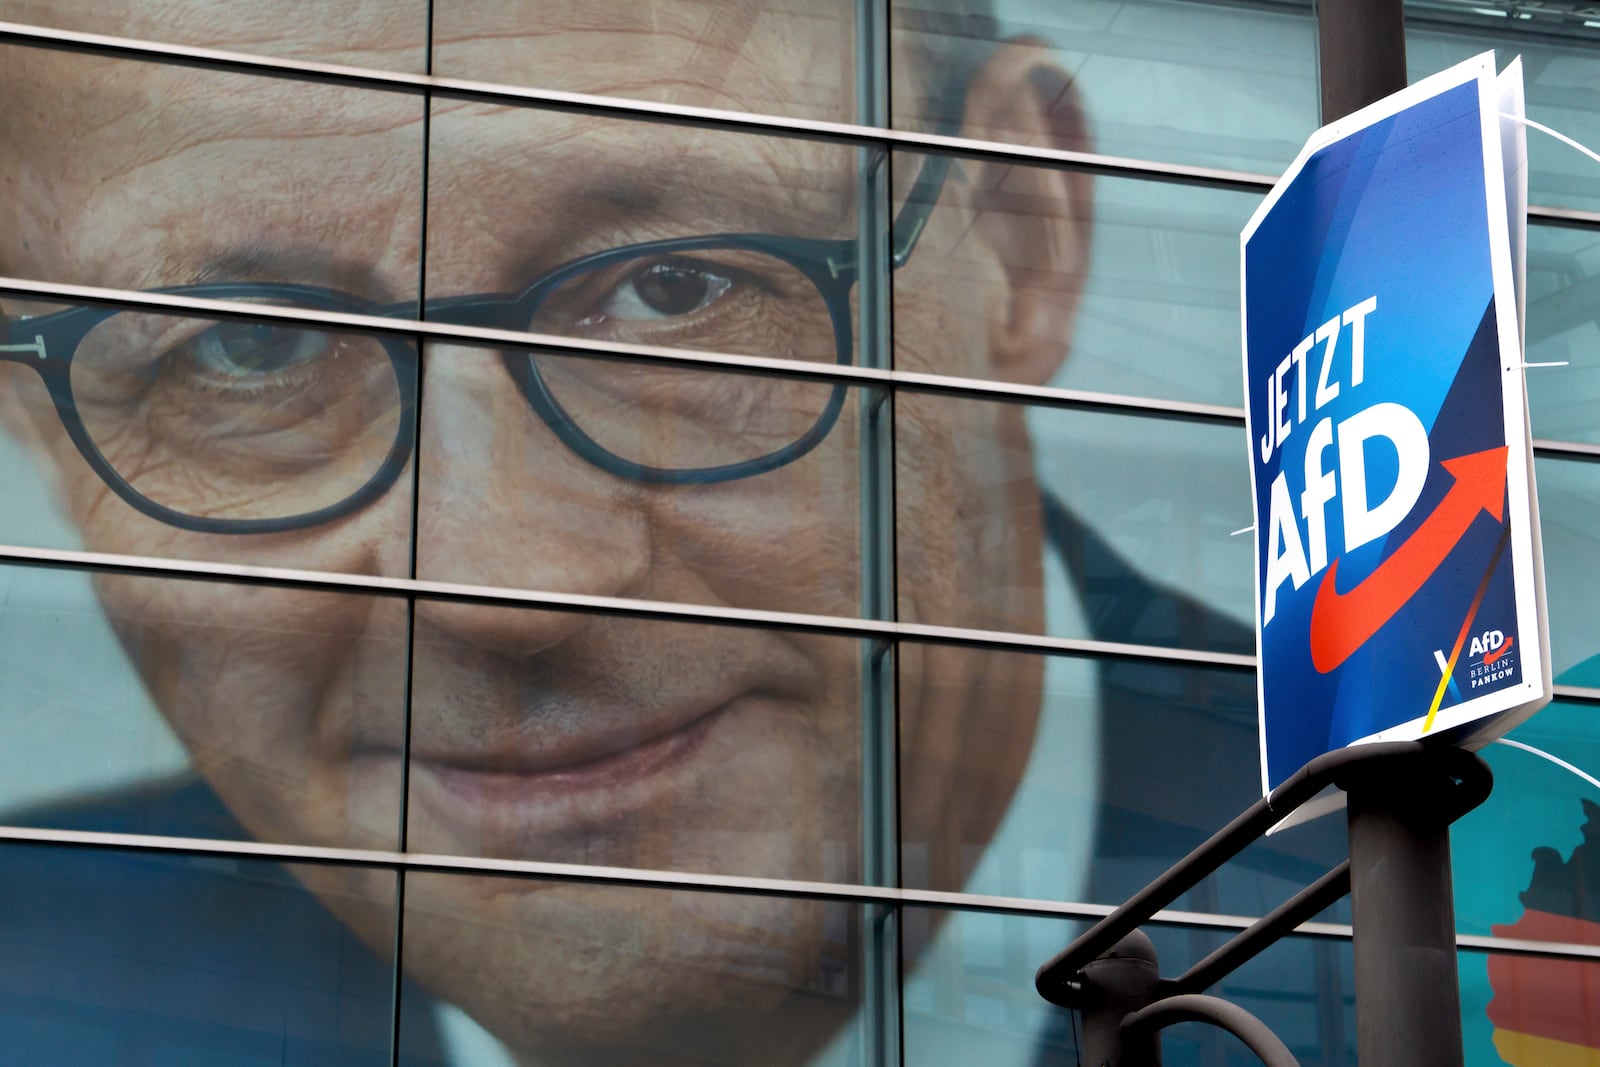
(1171, 80)
(1569, 519)
(572, 973)
(1091, 525)
(1531, 1011)
(1527, 862)
(1152, 310)
(386, 34)
(1557, 45)
(140, 175)
(612, 477)
(969, 995)
(112, 957)
(225, 426)
(1563, 323)
(580, 739)
(285, 701)
(1083, 779)
(794, 59)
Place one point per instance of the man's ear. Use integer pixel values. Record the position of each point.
(1034, 219)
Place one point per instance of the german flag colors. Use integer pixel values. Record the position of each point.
(1546, 1012)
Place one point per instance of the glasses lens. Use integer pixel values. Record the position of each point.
(723, 301)
(236, 420)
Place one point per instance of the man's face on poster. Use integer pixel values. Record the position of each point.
(557, 736)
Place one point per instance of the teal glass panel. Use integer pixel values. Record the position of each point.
(128, 957)
(1559, 44)
(198, 709)
(1073, 523)
(1172, 80)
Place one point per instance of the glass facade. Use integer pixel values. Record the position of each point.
(598, 532)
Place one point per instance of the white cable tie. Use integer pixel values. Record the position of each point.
(1557, 760)
(1551, 363)
(1563, 138)
(1243, 530)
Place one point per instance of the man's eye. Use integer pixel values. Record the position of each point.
(661, 291)
(249, 350)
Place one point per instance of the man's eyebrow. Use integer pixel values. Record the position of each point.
(301, 263)
(721, 196)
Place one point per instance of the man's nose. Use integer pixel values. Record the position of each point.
(502, 502)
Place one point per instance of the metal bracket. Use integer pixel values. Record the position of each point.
(1110, 972)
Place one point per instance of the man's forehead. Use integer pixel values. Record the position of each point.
(790, 56)
(386, 33)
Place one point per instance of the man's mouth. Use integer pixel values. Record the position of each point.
(496, 800)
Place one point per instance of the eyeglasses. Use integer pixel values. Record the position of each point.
(240, 427)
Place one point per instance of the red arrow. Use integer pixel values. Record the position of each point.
(1343, 622)
(1488, 660)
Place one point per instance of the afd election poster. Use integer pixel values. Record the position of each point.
(1399, 588)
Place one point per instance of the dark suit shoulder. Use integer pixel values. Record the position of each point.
(111, 956)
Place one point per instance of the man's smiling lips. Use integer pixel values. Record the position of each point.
(576, 784)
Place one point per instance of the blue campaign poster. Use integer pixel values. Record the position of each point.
(1396, 534)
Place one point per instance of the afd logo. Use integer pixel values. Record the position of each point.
(1486, 661)
(1491, 645)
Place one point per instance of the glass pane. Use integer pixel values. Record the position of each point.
(780, 57)
(1526, 1011)
(1527, 863)
(1073, 523)
(1559, 44)
(969, 994)
(569, 474)
(634, 743)
(1018, 279)
(225, 186)
(1179, 81)
(115, 957)
(642, 233)
(1569, 516)
(1563, 327)
(136, 175)
(215, 711)
(170, 436)
(1071, 778)
(548, 972)
(387, 34)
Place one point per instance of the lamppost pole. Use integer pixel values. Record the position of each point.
(1361, 47)
(1408, 998)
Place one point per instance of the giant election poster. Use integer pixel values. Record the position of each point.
(1399, 580)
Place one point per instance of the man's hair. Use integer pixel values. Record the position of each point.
(949, 41)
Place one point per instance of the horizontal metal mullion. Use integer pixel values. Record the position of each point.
(710, 118)
(413, 862)
(1579, 693)
(456, 592)
(622, 107)
(766, 366)
(1565, 218)
(429, 863)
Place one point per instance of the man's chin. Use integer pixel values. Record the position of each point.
(588, 974)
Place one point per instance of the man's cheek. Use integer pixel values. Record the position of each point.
(950, 490)
(254, 662)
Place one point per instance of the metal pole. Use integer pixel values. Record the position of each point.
(1361, 47)
(1408, 998)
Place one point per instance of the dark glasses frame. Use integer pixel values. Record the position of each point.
(48, 343)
